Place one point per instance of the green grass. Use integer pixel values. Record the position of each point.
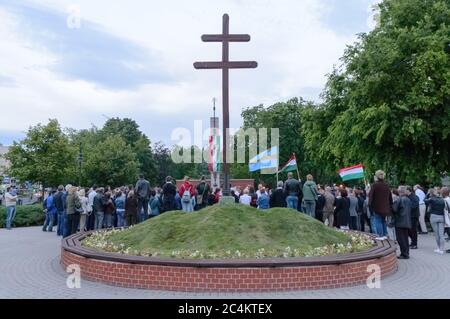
(232, 227)
(28, 215)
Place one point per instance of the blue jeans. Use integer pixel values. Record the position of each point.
(10, 214)
(292, 202)
(310, 208)
(380, 225)
(99, 216)
(187, 207)
(108, 220)
(49, 221)
(61, 224)
(120, 217)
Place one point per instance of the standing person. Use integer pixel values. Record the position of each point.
(292, 191)
(90, 224)
(120, 207)
(11, 203)
(155, 203)
(390, 224)
(342, 210)
(310, 195)
(380, 202)
(254, 197)
(50, 212)
(99, 208)
(245, 199)
(73, 210)
(85, 209)
(418, 190)
(142, 190)
(169, 192)
(109, 210)
(59, 204)
(402, 220)
(131, 209)
(415, 213)
(186, 192)
(217, 195)
(277, 198)
(328, 208)
(263, 199)
(445, 191)
(320, 205)
(360, 209)
(354, 225)
(437, 206)
(203, 191)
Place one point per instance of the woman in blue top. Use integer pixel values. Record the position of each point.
(263, 199)
(120, 208)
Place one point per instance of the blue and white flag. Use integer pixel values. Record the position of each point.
(267, 160)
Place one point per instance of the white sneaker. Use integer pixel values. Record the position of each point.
(437, 250)
(441, 252)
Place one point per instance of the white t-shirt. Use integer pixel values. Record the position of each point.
(245, 199)
(91, 196)
(421, 195)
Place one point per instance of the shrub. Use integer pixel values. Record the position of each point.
(28, 215)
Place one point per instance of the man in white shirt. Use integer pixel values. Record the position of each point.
(91, 216)
(245, 198)
(422, 208)
(11, 202)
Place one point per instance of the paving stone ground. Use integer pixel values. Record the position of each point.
(29, 268)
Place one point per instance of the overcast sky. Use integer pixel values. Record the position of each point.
(134, 58)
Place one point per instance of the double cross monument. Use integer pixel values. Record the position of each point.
(226, 65)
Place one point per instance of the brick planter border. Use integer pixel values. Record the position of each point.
(254, 275)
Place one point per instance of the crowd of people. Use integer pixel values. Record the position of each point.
(396, 213)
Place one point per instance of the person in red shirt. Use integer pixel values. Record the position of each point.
(187, 192)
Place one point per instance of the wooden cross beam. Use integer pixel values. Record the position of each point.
(226, 65)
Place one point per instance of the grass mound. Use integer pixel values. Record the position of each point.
(228, 231)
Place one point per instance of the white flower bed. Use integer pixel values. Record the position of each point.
(358, 242)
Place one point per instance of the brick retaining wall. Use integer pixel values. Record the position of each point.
(228, 276)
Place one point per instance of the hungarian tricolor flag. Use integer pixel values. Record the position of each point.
(353, 172)
(291, 165)
(214, 154)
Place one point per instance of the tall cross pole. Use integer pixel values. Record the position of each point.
(225, 65)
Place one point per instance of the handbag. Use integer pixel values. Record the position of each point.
(200, 197)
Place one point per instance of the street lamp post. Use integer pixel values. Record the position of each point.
(80, 162)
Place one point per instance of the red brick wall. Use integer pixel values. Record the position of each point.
(227, 279)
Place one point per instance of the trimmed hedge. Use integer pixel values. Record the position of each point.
(28, 215)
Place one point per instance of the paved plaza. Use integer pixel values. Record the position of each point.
(29, 268)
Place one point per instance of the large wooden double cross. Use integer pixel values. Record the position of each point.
(226, 65)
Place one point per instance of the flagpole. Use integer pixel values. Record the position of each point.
(296, 166)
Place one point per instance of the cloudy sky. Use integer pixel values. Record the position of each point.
(83, 61)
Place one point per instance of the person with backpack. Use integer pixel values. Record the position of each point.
(187, 191)
(203, 191)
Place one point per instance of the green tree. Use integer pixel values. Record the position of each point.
(388, 104)
(111, 162)
(43, 156)
(128, 129)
